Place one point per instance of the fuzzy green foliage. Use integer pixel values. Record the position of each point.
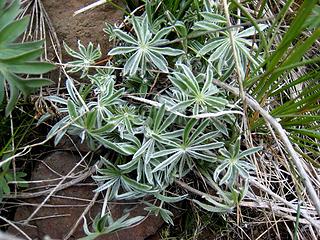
(155, 107)
(146, 48)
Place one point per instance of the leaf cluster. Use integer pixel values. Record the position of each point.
(165, 127)
(18, 58)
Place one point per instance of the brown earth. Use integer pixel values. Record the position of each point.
(86, 27)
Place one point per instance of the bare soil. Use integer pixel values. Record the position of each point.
(86, 27)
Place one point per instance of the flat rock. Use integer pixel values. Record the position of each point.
(61, 211)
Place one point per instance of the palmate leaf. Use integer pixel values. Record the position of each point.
(126, 119)
(233, 163)
(145, 46)
(221, 48)
(18, 58)
(165, 214)
(194, 145)
(155, 135)
(86, 57)
(106, 225)
(113, 178)
(200, 98)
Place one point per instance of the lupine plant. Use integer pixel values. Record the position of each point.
(188, 91)
(157, 136)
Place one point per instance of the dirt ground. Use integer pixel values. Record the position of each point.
(87, 26)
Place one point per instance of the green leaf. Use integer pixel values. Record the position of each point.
(132, 64)
(210, 47)
(124, 36)
(166, 216)
(191, 123)
(164, 152)
(1, 88)
(124, 149)
(294, 30)
(8, 55)
(208, 146)
(10, 13)
(91, 119)
(158, 60)
(31, 67)
(12, 31)
(14, 97)
(136, 185)
(167, 51)
(211, 208)
(72, 109)
(168, 199)
(249, 152)
(200, 129)
(251, 30)
(37, 82)
(13, 50)
(167, 162)
(158, 118)
(307, 132)
(4, 185)
(160, 34)
(122, 50)
(190, 79)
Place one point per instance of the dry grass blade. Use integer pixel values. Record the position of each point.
(55, 189)
(285, 140)
(282, 212)
(4, 236)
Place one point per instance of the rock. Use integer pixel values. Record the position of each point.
(59, 214)
(64, 208)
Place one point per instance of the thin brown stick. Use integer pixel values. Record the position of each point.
(277, 210)
(74, 227)
(60, 187)
(2, 236)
